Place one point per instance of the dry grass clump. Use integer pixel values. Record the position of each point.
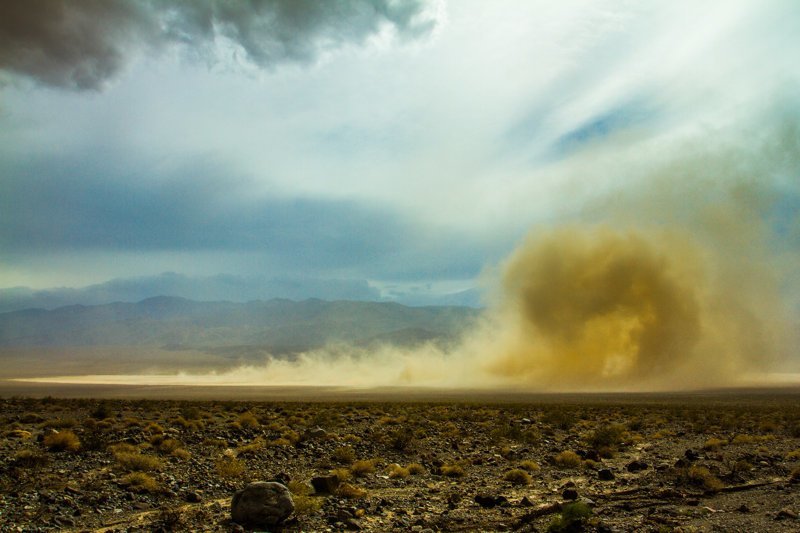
(453, 470)
(252, 448)
(347, 490)
(30, 459)
(698, 476)
(363, 467)
(59, 423)
(415, 469)
(230, 467)
(304, 503)
(139, 482)
(793, 455)
(517, 476)
(714, 444)
(568, 459)
(247, 420)
(743, 439)
(62, 441)
(530, 466)
(17, 434)
(397, 472)
(136, 462)
(344, 455)
(181, 453)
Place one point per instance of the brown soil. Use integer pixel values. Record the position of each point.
(695, 462)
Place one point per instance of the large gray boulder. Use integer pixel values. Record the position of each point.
(262, 504)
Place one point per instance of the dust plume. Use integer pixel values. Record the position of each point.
(683, 277)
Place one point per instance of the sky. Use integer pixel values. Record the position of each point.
(412, 145)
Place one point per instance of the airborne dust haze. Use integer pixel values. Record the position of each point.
(685, 278)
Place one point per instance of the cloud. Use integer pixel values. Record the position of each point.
(82, 45)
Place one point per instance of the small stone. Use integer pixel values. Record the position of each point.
(316, 433)
(325, 484)
(743, 508)
(193, 497)
(786, 514)
(488, 501)
(526, 502)
(262, 504)
(570, 494)
(636, 466)
(691, 455)
(605, 474)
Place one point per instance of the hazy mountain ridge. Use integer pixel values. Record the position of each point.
(278, 325)
(221, 287)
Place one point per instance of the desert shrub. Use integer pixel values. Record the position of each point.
(136, 462)
(247, 420)
(153, 427)
(344, 455)
(30, 459)
(568, 459)
(714, 444)
(346, 490)
(398, 472)
(168, 445)
(62, 441)
(768, 426)
(230, 467)
(139, 482)
(102, 411)
(31, 418)
(453, 470)
(698, 476)
(181, 453)
(607, 436)
(415, 469)
(530, 466)
(216, 443)
(304, 503)
(363, 467)
(517, 476)
(190, 412)
(342, 474)
(560, 419)
(252, 448)
(401, 439)
(793, 455)
(743, 439)
(122, 447)
(59, 423)
(17, 434)
(573, 517)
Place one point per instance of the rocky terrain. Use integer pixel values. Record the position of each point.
(639, 463)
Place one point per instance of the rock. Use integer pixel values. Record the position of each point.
(691, 455)
(570, 494)
(743, 508)
(604, 474)
(193, 497)
(488, 501)
(352, 524)
(526, 502)
(262, 504)
(316, 433)
(636, 466)
(325, 484)
(786, 513)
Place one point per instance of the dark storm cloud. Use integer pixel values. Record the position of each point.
(82, 44)
(74, 204)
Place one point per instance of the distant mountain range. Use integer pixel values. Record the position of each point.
(221, 287)
(274, 326)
